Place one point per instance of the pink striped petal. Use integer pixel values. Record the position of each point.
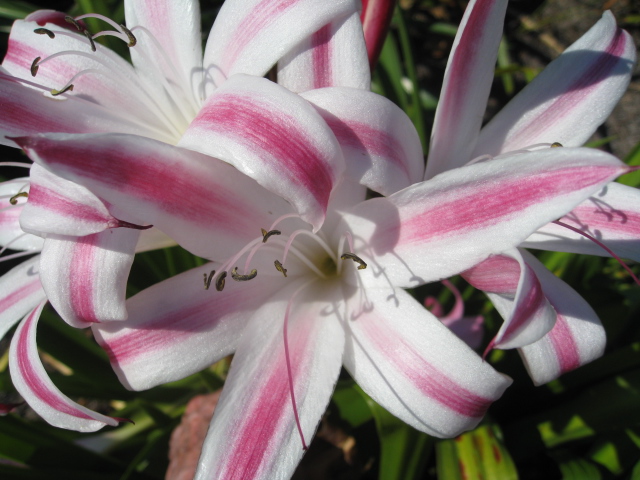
(516, 293)
(414, 367)
(441, 227)
(21, 292)
(62, 207)
(27, 111)
(380, 145)
(577, 338)
(85, 277)
(612, 216)
(334, 56)
(177, 328)
(169, 45)
(111, 81)
(253, 433)
(570, 98)
(10, 232)
(32, 382)
(273, 136)
(205, 205)
(250, 36)
(376, 17)
(467, 81)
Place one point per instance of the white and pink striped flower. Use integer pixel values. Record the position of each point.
(554, 327)
(55, 78)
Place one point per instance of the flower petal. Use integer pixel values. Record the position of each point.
(516, 293)
(443, 226)
(570, 98)
(11, 234)
(205, 205)
(21, 292)
(85, 277)
(169, 45)
(176, 327)
(380, 145)
(253, 432)
(250, 36)
(576, 339)
(334, 56)
(413, 366)
(612, 216)
(376, 18)
(467, 81)
(153, 239)
(32, 382)
(274, 137)
(62, 207)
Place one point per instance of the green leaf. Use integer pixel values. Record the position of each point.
(579, 469)
(350, 403)
(633, 159)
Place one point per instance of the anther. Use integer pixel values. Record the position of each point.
(207, 279)
(123, 224)
(280, 268)
(352, 256)
(90, 38)
(556, 145)
(14, 200)
(130, 36)
(68, 88)
(35, 66)
(220, 281)
(266, 235)
(243, 278)
(74, 22)
(45, 31)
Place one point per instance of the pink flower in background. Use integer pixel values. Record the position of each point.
(554, 327)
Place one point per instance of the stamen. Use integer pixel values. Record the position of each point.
(207, 279)
(131, 36)
(68, 88)
(266, 235)
(73, 21)
(14, 200)
(123, 224)
(352, 256)
(243, 278)
(556, 145)
(280, 268)
(87, 34)
(35, 66)
(16, 255)
(319, 240)
(45, 31)
(601, 245)
(220, 281)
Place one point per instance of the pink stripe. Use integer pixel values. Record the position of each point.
(32, 378)
(361, 136)
(255, 435)
(321, 57)
(18, 295)
(591, 80)
(565, 346)
(482, 207)
(262, 16)
(82, 277)
(50, 200)
(497, 274)
(527, 307)
(424, 376)
(9, 219)
(601, 216)
(275, 139)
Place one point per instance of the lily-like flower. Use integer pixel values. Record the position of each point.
(562, 106)
(56, 78)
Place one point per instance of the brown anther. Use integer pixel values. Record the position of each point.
(556, 145)
(131, 36)
(266, 235)
(87, 34)
(45, 31)
(243, 278)
(207, 279)
(220, 281)
(68, 88)
(280, 268)
(14, 200)
(35, 66)
(74, 22)
(352, 256)
(123, 224)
